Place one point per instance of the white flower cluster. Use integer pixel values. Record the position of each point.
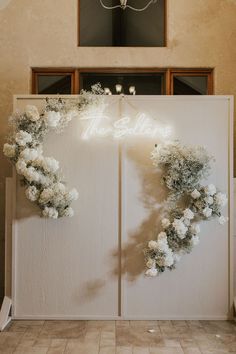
(208, 202)
(40, 174)
(183, 167)
(163, 253)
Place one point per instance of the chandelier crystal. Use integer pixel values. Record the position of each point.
(123, 5)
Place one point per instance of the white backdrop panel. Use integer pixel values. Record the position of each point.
(69, 268)
(199, 287)
(63, 267)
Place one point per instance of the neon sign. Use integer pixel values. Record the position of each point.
(100, 125)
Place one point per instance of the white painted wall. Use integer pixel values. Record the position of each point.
(69, 268)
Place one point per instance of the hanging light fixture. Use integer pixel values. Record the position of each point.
(123, 5)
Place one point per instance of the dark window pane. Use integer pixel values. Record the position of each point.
(190, 85)
(122, 27)
(54, 84)
(144, 83)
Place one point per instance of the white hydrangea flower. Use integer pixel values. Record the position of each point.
(32, 193)
(222, 220)
(188, 214)
(9, 150)
(152, 272)
(21, 166)
(50, 213)
(169, 259)
(46, 195)
(195, 194)
(195, 229)
(207, 212)
(152, 245)
(22, 138)
(195, 240)
(59, 188)
(209, 200)
(210, 189)
(31, 174)
(221, 199)
(68, 212)
(161, 261)
(29, 154)
(44, 180)
(52, 118)
(163, 245)
(73, 194)
(32, 113)
(186, 221)
(162, 236)
(165, 223)
(180, 228)
(50, 164)
(150, 263)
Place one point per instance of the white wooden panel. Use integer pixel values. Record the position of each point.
(64, 268)
(199, 287)
(68, 268)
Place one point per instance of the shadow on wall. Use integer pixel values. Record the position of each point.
(151, 197)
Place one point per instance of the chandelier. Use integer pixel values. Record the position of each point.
(123, 5)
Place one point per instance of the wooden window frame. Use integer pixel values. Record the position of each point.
(165, 31)
(126, 71)
(72, 72)
(168, 73)
(190, 72)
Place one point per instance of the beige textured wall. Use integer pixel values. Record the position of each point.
(33, 33)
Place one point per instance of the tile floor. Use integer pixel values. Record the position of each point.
(119, 337)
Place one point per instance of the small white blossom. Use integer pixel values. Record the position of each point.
(73, 194)
(165, 223)
(50, 213)
(210, 189)
(195, 240)
(22, 138)
(150, 263)
(59, 188)
(180, 228)
(195, 229)
(209, 200)
(188, 214)
(221, 199)
(52, 118)
(29, 154)
(68, 212)
(186, 221)
(46, 195)
(207, 212)
(32, 113)
(9, 150)
(222, 220)
(195, 194)
(169, 259)
(21, 166)
(151, 272)
(162, 236)
(32, 193)
(163, 245)
(152, 245)
(50, 164)
(31, 174)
